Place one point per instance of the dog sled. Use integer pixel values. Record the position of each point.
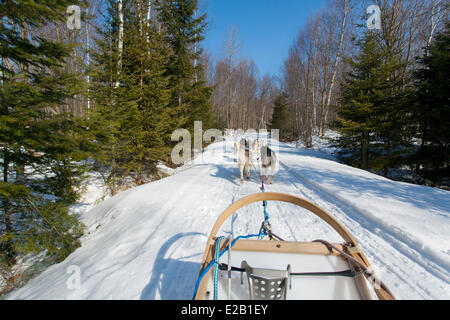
(251, 268)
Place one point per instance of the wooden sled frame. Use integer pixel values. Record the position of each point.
(350, 246)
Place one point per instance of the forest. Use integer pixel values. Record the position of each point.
(105, 94)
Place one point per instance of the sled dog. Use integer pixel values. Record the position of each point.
(268, 159)
(244, 160)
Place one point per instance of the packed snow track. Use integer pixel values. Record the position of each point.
(148, 242)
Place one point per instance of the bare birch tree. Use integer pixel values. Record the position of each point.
(120, 12)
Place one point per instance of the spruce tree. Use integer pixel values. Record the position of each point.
(279, 117)
(356, 106)
(39, 150)
(184, 31)
(431, 114)
(110, 101)
(152, 118)
(133, 112)
(371, 119)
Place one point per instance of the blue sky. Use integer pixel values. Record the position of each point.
(267, 28)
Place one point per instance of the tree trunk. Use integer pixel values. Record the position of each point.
(9, 247)
(335, 67)
(8, 244)
(149, 12)
(120, 39)
(5, 163)
(139, 176)
(88, 62)
(386, 164)
(365, 151)
(434, 21)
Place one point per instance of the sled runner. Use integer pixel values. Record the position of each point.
(249, 268)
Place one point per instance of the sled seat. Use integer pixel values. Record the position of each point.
(267, 284)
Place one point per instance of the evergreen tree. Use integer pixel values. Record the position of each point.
(279, 117)
(184, 30)
(152, 119)
(135, 119)
(432, 111)
(110, 101)
(33, 206)
(371, 119)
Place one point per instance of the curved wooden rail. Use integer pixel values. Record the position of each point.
(272, 196)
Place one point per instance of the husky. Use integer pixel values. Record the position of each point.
(268, 159)
(236, 148)
(244, 160)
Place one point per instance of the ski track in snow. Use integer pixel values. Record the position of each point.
(365, 231)
(159, 257)
(368, 221)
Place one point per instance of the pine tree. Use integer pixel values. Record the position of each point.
(432, 112)
(33, 206)
(152, 118)
(279, 117)
(109, 104)
(356, 106)
(184, 32)
(371, 119)
(135, 119)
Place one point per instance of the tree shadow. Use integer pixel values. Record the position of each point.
(170, 277)
(228, 173)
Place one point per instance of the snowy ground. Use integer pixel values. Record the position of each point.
(148, 242)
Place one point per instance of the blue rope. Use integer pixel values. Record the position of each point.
(266, 221)
(220, 255)
(266, 215)
(216, 268)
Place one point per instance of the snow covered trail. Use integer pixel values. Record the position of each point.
(148, 242)
(403, 228)
(403, 269)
